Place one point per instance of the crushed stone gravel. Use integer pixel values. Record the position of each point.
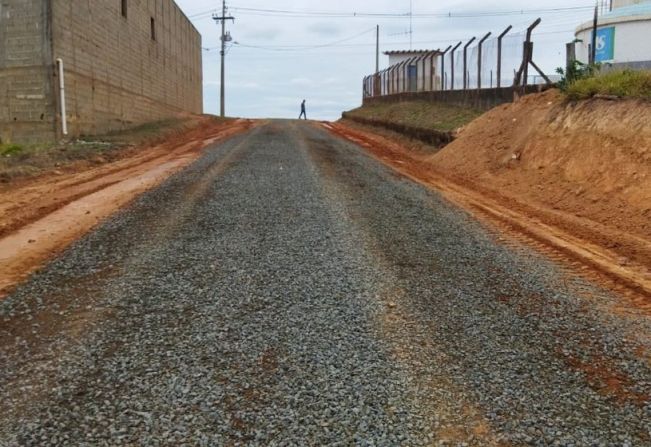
(286, 289)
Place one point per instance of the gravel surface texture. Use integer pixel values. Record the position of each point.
(286, 289)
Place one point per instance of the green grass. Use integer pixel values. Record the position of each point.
(623, 84)
(421, 114)
(7, 150)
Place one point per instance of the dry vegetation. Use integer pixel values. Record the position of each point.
(20, 161)
(419, 114)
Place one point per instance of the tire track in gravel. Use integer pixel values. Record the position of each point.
(261, 312)
(449, 414)
(80, 300)
(542, 364)
(44, 218)
(247, 324)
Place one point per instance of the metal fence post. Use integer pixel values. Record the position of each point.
(443, 67)
(424, 78)
(465, 62)
(385, 85)
(432, 69)
(397, 78)
(405, 68)
(452, 65)
(523, 73)
(394, 82)
(394, 79)
(418, 62)
(481, 42)
(406, 73)
(529, 50)
(499, 55)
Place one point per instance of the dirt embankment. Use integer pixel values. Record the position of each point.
(417, 114)
(572, 176)
(591, 159)
(41, 216)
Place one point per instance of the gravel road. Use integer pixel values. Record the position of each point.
(287, 289)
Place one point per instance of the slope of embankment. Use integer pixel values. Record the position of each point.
(417, 114)
(589, 158)
(574, 175)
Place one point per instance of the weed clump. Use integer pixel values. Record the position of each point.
(7, 150)
(581, 81)
(622, 84)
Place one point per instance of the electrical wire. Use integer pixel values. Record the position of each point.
(301, 47)
(450, 15)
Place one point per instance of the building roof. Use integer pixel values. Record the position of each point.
(400, 52)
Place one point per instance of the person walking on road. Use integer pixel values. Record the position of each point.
(303, 114)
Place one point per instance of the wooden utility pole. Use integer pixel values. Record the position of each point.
(223, 18)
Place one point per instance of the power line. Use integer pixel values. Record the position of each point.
(353, 14)
(341, 43)
(301, 47)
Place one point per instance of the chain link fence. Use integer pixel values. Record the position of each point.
(493, 61)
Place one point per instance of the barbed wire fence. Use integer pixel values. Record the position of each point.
(482, 62)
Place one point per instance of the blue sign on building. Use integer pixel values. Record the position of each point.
(605, 44)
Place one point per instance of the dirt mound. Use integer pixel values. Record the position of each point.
(590, 158)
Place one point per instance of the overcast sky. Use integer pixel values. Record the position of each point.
(271, 80)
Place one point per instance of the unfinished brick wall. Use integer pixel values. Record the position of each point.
(26, 100)
(118, 73)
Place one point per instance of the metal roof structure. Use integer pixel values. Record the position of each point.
(398, 52)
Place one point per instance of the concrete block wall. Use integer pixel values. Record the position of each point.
(117, 75)
(26, 99)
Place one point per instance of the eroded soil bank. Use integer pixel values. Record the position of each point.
(575, 176)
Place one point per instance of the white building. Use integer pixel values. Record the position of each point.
(623, 35)
(421, 74)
